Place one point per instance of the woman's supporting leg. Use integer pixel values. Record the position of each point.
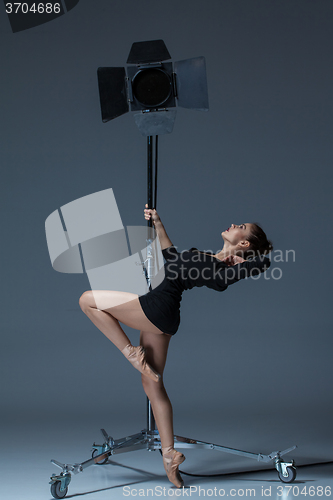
(156, 353)
(156, 348)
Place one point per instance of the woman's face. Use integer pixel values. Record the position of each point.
(237, 233)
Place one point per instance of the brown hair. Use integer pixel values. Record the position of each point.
(259, 244)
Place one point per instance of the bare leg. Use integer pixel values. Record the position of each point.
(112, 308)
(157, 347)
(125, 307)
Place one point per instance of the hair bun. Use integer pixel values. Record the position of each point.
(258, 240)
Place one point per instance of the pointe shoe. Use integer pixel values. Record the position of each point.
(171, 465)
(137, 356)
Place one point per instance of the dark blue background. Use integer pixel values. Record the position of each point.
(262, 153)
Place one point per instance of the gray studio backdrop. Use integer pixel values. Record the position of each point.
(262, 350)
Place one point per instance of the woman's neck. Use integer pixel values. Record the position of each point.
(225, 252)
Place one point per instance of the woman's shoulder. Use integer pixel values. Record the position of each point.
(193, 249)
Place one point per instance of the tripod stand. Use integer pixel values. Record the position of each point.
(149, 439)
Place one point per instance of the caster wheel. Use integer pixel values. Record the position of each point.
(55, 490)
(103, 461)
(291, 475)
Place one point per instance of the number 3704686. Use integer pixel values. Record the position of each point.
(35, 8)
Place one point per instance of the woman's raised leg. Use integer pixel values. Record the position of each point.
(105, 309)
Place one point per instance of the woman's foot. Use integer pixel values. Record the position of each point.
(137, 356)
(171, 461)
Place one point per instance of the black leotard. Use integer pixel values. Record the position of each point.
(186, 270)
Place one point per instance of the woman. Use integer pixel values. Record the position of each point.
(156, 314)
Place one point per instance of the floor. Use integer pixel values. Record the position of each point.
(27, 448)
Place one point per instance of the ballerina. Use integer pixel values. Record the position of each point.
(157, 314)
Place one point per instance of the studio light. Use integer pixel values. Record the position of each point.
(152, 87)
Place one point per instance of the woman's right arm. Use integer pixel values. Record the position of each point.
(150, 213)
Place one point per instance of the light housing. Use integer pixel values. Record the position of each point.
(153, 87)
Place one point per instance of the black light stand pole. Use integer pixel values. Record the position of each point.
(152, 194)
(150, 174)
(155, 183)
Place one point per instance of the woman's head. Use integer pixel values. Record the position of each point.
(247, 240)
